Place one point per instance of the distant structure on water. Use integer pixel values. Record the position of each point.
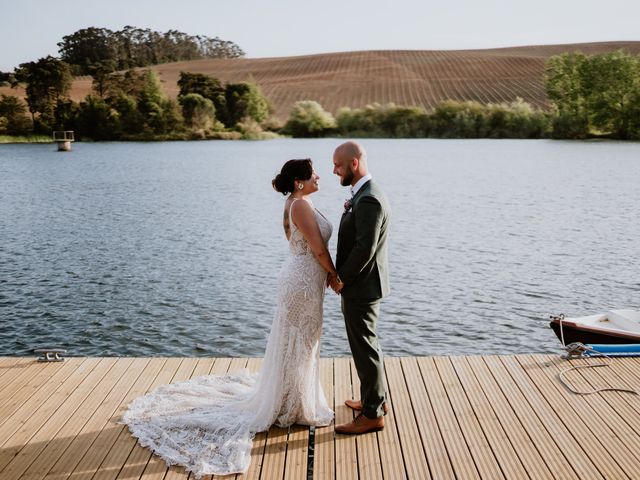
(63, 138)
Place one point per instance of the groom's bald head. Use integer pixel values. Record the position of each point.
(350, 162)
(350, 150)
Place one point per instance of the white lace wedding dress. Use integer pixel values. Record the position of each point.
(208, 423)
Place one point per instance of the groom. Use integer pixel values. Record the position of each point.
(362, 281)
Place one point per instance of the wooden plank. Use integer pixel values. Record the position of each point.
(400, 447)
(623, 373)
(178, 472)
(461, 460)
(260, 440)
(433, 445)
(139, 456)
(222, 366)
(415, 459)
(8, 361)
(479, 447)
(627, 368)
(25, 383)
(532, 443)
(324, 450)
(67, 461)
(297, 456)
(610, 455)
(275, 453)
(20, 385)
(11, 363)
(26, 421)
(448, 416)
(626, 422)
(295, 466)
(19, 373)
(203, 367)
(47, 445)
(345, 446)
(69, 401)
(557, 447)
(128, 445)
(575, 452)
(601, 416)
(95, 456)
(368, 446)
(506, 455)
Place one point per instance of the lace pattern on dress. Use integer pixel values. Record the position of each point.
(208, 423)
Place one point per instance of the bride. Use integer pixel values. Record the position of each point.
(207, 424)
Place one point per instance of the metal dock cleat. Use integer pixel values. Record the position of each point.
(50, 354)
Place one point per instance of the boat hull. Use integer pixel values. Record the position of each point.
(574, 332)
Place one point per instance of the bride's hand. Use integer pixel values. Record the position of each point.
(336, 284)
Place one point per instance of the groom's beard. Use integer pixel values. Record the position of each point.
(347, 179)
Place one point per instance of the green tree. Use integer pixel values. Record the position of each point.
(6, 79)
(517, 119)
(161, 115)
(309, 119)
(88, 48)
(244, 100)
(65, 114)
(47, 80)
(131, 120)
(206, 86)
(199, 113)
(452, 119)
(388, 121)
(565, 90)
(136, 47)
(611, 83)
(130, 83)
(594, 93)
(13, 114)
(100, 72)
(97, 119)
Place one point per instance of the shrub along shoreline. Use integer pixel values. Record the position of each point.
(594, 96)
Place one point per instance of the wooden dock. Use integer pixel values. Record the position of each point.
(487, 417)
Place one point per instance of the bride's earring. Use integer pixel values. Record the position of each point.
(300, 186)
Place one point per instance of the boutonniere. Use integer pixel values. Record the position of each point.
(347, 205)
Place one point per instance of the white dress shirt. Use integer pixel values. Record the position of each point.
(360, 183)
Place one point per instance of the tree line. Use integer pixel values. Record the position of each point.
(131, 105)
(594, 95)
(590, 96)
(95, 51)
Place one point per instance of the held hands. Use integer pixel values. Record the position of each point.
(334, 281)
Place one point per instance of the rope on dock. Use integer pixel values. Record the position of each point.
(577, 350)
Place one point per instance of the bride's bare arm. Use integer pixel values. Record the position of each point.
(304, 218)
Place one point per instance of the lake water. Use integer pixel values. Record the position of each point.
(174, 248)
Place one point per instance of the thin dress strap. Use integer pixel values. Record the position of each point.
(291, 207)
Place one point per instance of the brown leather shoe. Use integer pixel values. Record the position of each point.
(357, 405)
(360, 425)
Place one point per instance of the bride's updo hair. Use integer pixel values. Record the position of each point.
(291, 171)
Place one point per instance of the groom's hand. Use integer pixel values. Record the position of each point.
(337, 285)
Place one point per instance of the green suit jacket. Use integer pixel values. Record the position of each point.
(361, 259)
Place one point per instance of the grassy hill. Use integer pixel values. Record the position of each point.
(404, 77)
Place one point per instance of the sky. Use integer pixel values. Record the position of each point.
(30, 29)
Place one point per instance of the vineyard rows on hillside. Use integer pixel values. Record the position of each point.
(409, 77)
